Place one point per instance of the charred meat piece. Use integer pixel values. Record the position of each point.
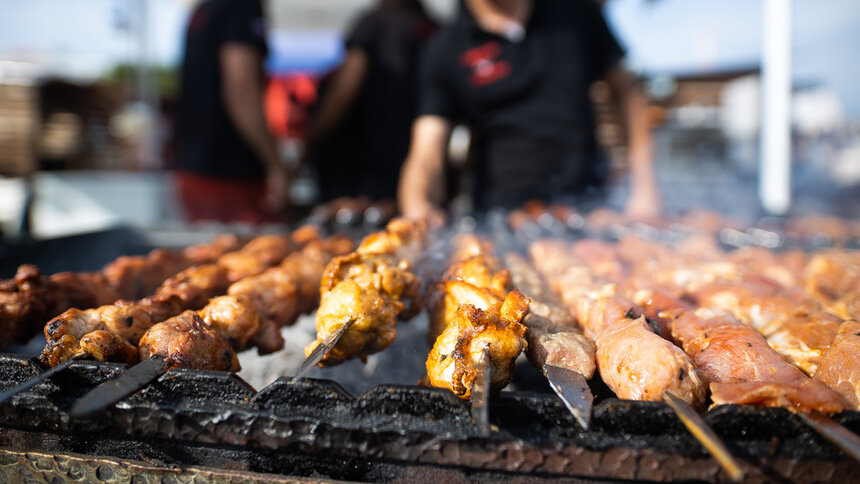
(235, 318)
(30, 298)
(106, 346)
(372, 290)
(454, 360)
(189, 343)
(190, 289)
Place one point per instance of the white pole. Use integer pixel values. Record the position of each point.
(775, 173)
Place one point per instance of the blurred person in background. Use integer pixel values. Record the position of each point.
(359, 133)
(227, 165)
(518, 73)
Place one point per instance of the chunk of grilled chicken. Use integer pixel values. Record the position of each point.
(256, 256)
(136, 277)
(833, 279)
(471, 260)
(372, 287)
(372, 290)
(282, 293)
(455, 358)
(552, 334)
(796, 329)
(106, 346)
(402, 238)
(196, 285)
(839, 368)
(30, 298)
(445, 297)
(632, 359)
(189, 289)
(234, 318)
(127, 320)
(187, 342)
(743, 369)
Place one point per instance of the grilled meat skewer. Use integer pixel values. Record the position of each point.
(190, 289)
(633, 360)
(31, 298)
(208, 339)
(369, 289)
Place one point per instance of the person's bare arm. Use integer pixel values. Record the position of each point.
(346, 83)
(644, 201)
(242, 92)
(422, 184)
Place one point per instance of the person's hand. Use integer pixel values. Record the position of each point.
(277, 195)
(433, 216)
(643, 204)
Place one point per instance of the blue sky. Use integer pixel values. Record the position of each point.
(80, 36)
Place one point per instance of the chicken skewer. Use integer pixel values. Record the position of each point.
(475, 279)
(31, 298)
(209, 338)
(556, 345)
(364, 293)
(67, 334)
(680, 317)
(633, 361)
(475, 354)
(253, 309)
(764, 291)
(475, 325)
(744, 369)
(111, 333)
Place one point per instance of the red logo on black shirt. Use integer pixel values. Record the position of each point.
(485, 68)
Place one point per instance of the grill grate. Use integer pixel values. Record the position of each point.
(316, 428)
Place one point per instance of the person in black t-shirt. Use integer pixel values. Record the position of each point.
(228, 167)
(359, 135)
(518, 73)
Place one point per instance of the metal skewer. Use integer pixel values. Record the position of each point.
(704, 434)
(322, 349)
(573, 390)
(481, 393)
(35, 380)
(843, 438)
(120, 387)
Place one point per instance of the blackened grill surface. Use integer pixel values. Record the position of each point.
(316, 428)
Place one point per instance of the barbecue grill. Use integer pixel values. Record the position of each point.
(197, 425)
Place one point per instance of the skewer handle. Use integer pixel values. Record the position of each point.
(322, 349)
(843, 438)
(704, 434)
(573, 391)
(34, 381)
(481, 394)
(120, 387)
